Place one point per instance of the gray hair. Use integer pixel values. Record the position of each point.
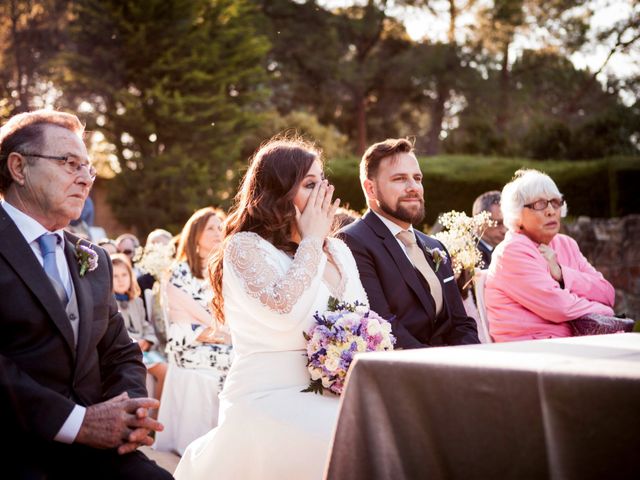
(483, 202)
(157, 234)
(526, 186)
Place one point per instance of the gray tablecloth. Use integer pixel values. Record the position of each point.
(561, 409)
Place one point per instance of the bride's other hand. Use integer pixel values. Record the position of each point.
(317, 217)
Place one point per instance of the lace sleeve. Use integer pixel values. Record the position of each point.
(278, 291)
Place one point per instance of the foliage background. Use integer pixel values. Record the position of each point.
(177, 94)
(591, 187)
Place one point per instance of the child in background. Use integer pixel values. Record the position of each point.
(131, 307)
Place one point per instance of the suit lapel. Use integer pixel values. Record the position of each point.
(22, 259)
(405, 266)
(84, 296)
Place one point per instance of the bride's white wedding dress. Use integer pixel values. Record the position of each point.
(268, 428)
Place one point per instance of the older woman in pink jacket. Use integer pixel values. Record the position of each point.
(538, 279)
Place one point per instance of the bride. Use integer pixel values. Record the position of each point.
(277, 268)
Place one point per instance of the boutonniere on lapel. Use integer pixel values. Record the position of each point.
(87, 258)
(438, 255)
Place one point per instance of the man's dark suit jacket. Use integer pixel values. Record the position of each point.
(42, 375)
(396, 289)
(486, 254)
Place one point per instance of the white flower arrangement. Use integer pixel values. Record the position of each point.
(460, 236)
(156, 259)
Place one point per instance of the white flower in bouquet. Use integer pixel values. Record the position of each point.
(374, 328)
(460, 235)
(156, 259)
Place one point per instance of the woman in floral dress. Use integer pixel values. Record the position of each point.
(194, 339)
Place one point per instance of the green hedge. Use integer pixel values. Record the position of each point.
(596, 188)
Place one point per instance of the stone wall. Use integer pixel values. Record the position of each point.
(612, 246)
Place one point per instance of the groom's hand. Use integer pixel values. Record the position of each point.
(120, 422)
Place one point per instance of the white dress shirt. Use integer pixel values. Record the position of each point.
(489, 247)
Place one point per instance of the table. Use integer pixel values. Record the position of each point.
(561, 408)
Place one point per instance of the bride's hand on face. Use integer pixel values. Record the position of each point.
(317, 217)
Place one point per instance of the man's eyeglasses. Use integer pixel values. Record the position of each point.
(71, 163)
(538, 205)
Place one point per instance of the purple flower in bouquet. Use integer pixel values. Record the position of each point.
(338, 335)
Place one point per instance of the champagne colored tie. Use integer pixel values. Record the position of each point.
(416, 255)
(47, 244)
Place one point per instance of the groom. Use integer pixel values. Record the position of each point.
(72, 382)
(407, 275)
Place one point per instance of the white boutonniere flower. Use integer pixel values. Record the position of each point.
(439, 256)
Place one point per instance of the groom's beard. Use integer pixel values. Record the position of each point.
(404, 214)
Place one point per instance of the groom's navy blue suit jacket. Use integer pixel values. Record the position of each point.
(42, 374)
(396, 289)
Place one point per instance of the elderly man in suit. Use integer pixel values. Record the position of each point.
(491, 236)
(407, 274)
(73, 400)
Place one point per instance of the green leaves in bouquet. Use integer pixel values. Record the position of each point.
(335, 305)
(315, 386)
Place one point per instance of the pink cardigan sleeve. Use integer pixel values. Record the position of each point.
(526, 279)
(581, 278)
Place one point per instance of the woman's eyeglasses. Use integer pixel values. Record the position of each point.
(538, 205)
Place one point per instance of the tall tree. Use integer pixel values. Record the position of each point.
(31, 33)
(337, 63)
(621, 37)
(174, 85)
(561, 24)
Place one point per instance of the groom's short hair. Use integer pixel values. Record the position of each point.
(379, 151)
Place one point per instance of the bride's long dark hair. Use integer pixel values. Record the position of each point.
(264, 202)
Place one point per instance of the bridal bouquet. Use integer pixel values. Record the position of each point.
(155, 259)
(339, 333)
(460, 235)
